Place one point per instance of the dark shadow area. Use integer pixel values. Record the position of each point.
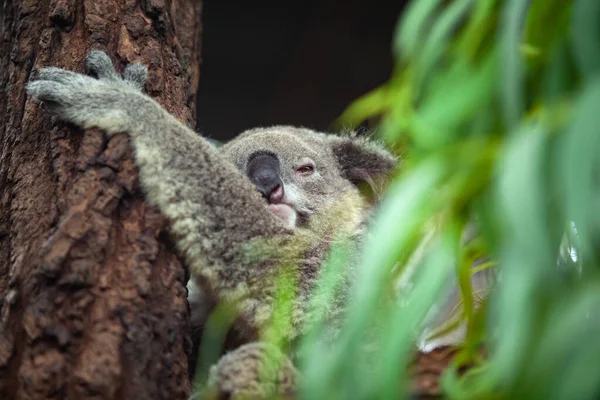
(1, 16)
(273, 62)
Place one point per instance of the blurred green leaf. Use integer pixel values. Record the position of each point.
(579, 164)
(435, 43)
(453, 98)
(399, 334)
(586, 36)
(493, 105)
(412, 27)
(513, 65)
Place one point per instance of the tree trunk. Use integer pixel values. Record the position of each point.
(93, 298)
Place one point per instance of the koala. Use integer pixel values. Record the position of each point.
(272, 201)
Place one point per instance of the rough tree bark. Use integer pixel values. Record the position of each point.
(93, 297)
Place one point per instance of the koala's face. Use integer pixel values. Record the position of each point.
(294, 169)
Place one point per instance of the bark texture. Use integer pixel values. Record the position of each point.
(93, 298)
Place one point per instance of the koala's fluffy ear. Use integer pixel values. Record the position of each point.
(361, 160)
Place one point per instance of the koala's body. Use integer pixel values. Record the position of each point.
(272, 200)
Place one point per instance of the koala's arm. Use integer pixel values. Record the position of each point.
(212, 208)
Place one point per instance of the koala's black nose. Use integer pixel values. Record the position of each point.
(263, 171)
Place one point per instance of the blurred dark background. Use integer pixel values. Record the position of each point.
(269, 62)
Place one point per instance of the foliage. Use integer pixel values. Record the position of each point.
(493, 106)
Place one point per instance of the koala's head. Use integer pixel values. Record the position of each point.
(300, 172)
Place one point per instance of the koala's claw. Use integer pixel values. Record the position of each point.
(99, 63)
(135, 75)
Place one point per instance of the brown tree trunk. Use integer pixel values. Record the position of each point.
(93, 297)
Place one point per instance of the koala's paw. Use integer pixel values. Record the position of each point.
(100, 64)
(109, 102)
(253, 371)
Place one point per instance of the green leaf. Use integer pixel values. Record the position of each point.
(513, 100)
(412, 27)
(438, 39)
(579, 162)
(586, 36)
(454, 97)
(527, 258)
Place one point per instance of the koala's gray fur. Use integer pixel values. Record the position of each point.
(234, 246)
